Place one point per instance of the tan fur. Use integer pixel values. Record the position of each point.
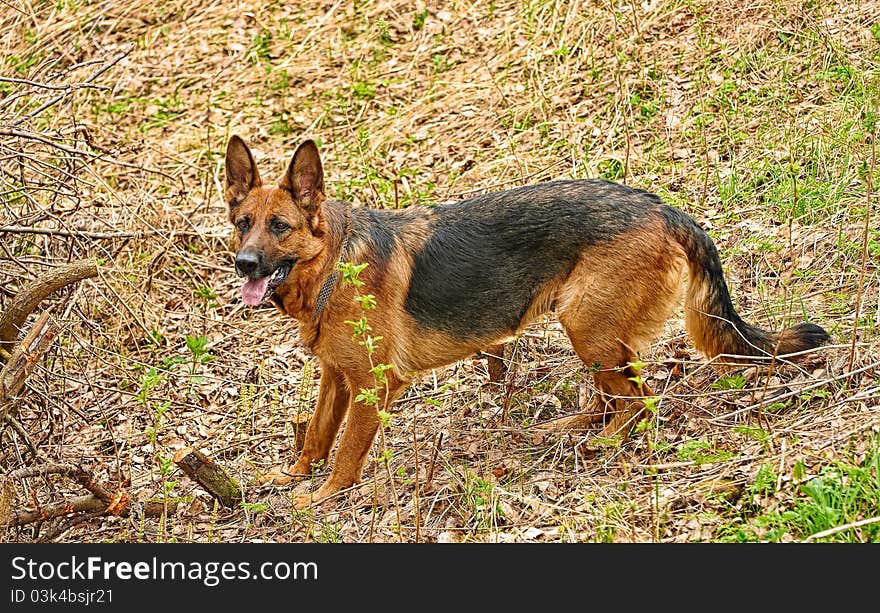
(608, 322)
(697, 323)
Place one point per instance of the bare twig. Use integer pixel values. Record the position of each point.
(77, 473)
(19, 429)
(818, 384)
(101, 501)
(113, 61)
(79, 152)
(50, 87)
(73, 233)
(63, 526)
(869, 188)
(843, 528)
(42, 139)
(28, 299)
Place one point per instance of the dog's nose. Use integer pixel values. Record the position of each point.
(246, 262)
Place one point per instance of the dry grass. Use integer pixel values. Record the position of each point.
(758, 121)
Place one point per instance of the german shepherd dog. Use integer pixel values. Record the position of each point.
(454, 279)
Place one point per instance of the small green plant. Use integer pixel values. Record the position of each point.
(419, 19)
(151, 379)
(729, 382)
(163, 111)
(829, 506)
(817, 393)
(651, 417)
(208, 296)
(376, 396)
(331, 532)
(361, 333)
(841, 494)
(650, 402)
(255, 507)
(198, 347)
(701, 452)
(281, 125)
(259, 51)
(650, 412)
(166, 466)
(156, 338)
(363, 90)
(765, 481)
(441, 63)
(153, 430)
(758, 434)
(382, 27)
(613, 516)
(611, 169)
(481, 504)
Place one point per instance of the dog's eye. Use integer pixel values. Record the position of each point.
(242, 225)
(279, 226)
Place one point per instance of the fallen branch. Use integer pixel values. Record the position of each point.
(101, 501)
(795, 392)
(82, 504)
(23, 360)
(28, 299)
(210, 475)
(63, 526)
(77, 473)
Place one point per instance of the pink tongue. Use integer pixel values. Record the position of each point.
(253, 290)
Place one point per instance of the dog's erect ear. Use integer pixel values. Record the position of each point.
(305, 179)
(241, 172)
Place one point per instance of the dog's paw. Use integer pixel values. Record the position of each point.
(279, 475)
(569, 423)
(302, 502)
(286, 474)
(324, 492)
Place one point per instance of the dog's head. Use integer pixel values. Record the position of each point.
(278, 227)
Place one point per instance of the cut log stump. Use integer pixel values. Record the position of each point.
(210, 475)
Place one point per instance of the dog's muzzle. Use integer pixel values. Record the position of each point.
(260, 281)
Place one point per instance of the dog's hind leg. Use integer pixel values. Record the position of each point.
(333, 401)
(618, 396)
(496, 361)
(615, 301)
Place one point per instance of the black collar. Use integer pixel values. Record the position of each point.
(333, 277)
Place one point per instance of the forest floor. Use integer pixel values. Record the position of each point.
(757, 120)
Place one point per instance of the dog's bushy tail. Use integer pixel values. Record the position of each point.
(709, 314)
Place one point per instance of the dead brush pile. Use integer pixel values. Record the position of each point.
(758, 121)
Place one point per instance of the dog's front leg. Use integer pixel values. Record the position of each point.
(357, 438)
(333, 401)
